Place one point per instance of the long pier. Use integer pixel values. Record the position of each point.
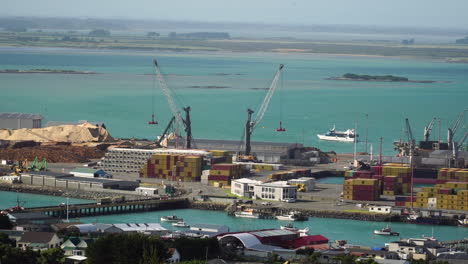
(461, 243)
(94, 209)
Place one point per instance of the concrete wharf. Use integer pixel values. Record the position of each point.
(94, 209)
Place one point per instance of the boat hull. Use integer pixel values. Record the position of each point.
(332, 138)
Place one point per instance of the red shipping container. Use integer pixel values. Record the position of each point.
(218, 178)
(363, 187)
(377, 169)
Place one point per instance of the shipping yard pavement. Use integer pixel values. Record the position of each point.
(324, 197)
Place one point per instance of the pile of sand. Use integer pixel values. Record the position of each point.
(82, 133)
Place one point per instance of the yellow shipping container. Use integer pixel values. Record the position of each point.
(347, 197)
(388, 192)
(347, 182)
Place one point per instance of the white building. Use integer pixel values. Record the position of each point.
(307, 182)
(146, 191)
(275, 191)
(243, 187)
(380, 209)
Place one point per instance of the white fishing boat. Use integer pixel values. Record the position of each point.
(463, 222)
(247, 213)
(343, 136)
(181, 224)
(290, 227)
(291, 216)
(171, 218)
(386, 231)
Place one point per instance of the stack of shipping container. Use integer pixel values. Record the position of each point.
(361, 190)
(221, 174)
(170, 167)
(220, 156)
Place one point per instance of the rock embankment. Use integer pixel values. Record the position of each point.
(208, 206)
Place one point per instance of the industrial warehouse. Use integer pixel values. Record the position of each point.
(68, 181)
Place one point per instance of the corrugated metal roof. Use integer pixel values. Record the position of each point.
(20, 116)
(87, 170)
(140, 227)
(274, 232)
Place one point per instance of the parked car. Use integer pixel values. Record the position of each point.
(266, 203)
(248, 202)
(289, 200)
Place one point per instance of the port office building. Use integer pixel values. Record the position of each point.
(20, 120)
(265, 151)
(68, 181)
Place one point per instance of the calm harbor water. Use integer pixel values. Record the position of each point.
(121, 94)
(356, 232)
(9, 199)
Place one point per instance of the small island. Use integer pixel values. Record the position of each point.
(375, 78)
(47, 71)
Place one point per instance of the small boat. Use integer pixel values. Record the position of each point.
(343, 136)
(291, 216)
(247, 213)
(180, 224)
(386, 231)
(463, 222)
(290, 227)
(171, 218)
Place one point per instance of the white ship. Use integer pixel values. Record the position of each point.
(180, 224)
(343, 136)
(291, 216)
(386, 231)
(247, 213)
(171, 218)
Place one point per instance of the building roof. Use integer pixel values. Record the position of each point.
(95, 180)
(36, 237)
(272, 232)
(20, 116)
(87, 170)
(78, 258)
(277, 184)
(49, 174)
(28, 216)
(139, 227)
(246, 180)
(90, 228)
(12, 233)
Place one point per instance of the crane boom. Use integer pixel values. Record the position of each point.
(411, 142)
(451, 131)
(266, 100)
(167, 93)
(428, 129)
(250, 125)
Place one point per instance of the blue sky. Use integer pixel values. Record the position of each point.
(410, 13)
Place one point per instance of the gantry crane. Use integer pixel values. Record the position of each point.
(451, 131)
(250, 125)
(185, 123)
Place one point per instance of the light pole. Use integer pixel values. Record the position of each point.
(367, 128)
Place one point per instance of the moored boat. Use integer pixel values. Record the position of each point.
(292, 216)
(463, 222)
(180, 224)
(386, 231)
(344, 136)
(247, 213)
(290, 227)
(171, 218)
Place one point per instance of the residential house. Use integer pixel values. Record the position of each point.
(38, 241)
(76, 246)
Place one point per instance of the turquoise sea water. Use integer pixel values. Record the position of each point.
(121, 95)
(9, 199)
(356, 232)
